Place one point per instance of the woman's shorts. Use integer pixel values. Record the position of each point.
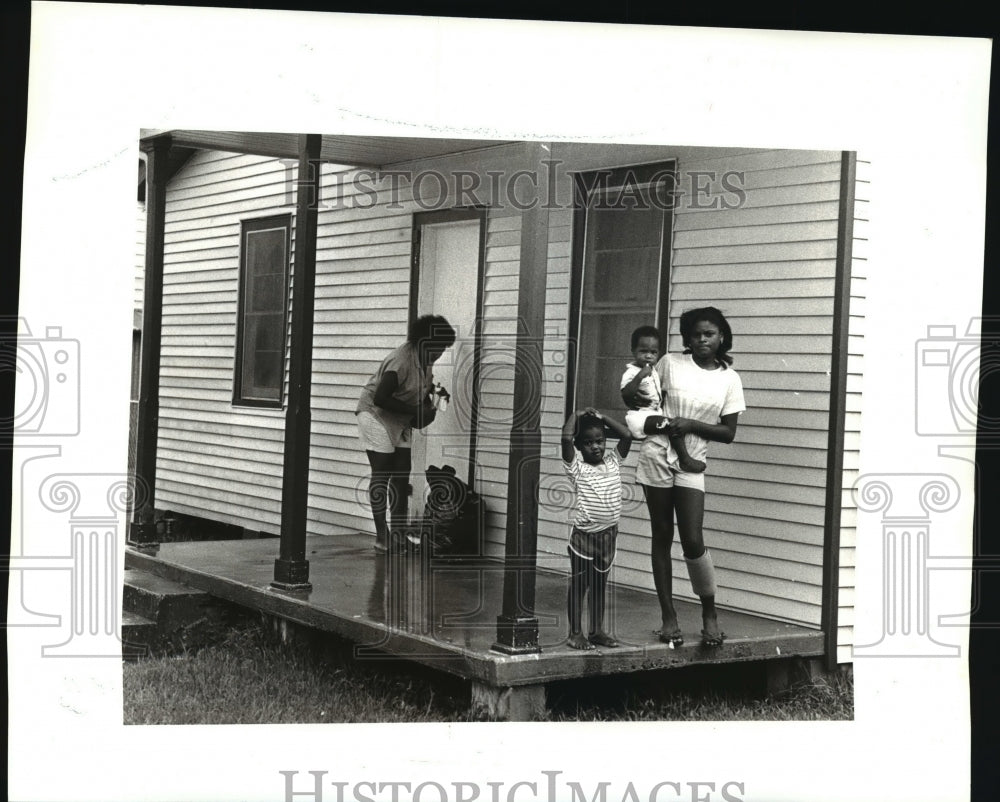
(597, 546)
(375, 436)
(654, 469)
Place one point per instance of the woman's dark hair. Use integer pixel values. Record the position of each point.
(646, 331)
(431, 329)
(586, 422)
(709, 314)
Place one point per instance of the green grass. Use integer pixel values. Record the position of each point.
(250, 679)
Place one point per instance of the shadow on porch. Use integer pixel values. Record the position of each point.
(406, 606)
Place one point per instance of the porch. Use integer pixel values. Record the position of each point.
(444, 615)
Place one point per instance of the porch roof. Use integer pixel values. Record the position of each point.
(358, 151)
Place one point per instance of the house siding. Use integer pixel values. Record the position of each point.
(363, 274)
(769, 265)
(856, 332)
(214, 459)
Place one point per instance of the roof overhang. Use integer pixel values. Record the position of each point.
(355, 151)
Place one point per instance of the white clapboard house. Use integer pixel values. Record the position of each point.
(545, 256)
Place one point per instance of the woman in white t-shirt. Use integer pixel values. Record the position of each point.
(703, 397)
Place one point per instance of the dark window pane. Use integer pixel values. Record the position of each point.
(625, 228)
(262, 325)
(269, 333)
(267, 293)
(624, 277)
(622, 259)
(265, 252)
(267, 374)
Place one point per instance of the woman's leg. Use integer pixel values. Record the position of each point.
(378, 493)
(660, 503)
(399, 482)
(690, 507)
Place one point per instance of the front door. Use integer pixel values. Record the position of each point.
(447, 281)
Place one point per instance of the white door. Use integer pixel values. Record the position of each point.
(447, 284)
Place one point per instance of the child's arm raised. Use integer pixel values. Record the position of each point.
(568, 433)
(624, 436)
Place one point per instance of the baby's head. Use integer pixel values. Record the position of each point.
(646, 345)
(589, 440)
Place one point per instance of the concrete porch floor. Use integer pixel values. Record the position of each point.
(444, 615)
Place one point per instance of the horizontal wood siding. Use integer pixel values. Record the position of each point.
(856, 332)
(769, 265)
(363, 265)
(139, 271)
(214, 460)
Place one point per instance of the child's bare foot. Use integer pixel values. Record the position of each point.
(691, 465)
(601, 638)
(577, 641)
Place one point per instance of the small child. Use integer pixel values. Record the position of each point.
(596, 478)
(643, 395)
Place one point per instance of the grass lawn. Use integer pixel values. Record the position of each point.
(250, 679)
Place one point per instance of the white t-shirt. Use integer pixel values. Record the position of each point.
(598, 491)
(648, 395)
(699, 394)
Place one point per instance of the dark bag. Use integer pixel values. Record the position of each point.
(452, 516)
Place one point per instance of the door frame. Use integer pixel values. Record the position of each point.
(456, 215)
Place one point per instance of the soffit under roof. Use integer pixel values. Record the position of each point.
(361, 151)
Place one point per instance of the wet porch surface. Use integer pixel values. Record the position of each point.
(444, 615)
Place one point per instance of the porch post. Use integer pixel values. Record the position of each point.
(291, 568)
(141, 529)
(838, 405)
(517, 625)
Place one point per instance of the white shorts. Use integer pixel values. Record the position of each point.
(635, 419)
(376, 437)
(657, 466)
(694, 481)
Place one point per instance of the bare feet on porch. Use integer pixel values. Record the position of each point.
(602, 638)
(577, 641)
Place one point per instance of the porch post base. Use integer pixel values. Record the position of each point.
(291, 575)
(521, 703)
(517, 634)
(141, 536)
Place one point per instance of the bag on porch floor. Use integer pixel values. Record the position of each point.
(452, 515)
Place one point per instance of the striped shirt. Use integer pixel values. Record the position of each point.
(598, 491)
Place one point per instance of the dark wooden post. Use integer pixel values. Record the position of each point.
(838, 404)
(142, 529)
(291, 568)
(517, 625)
